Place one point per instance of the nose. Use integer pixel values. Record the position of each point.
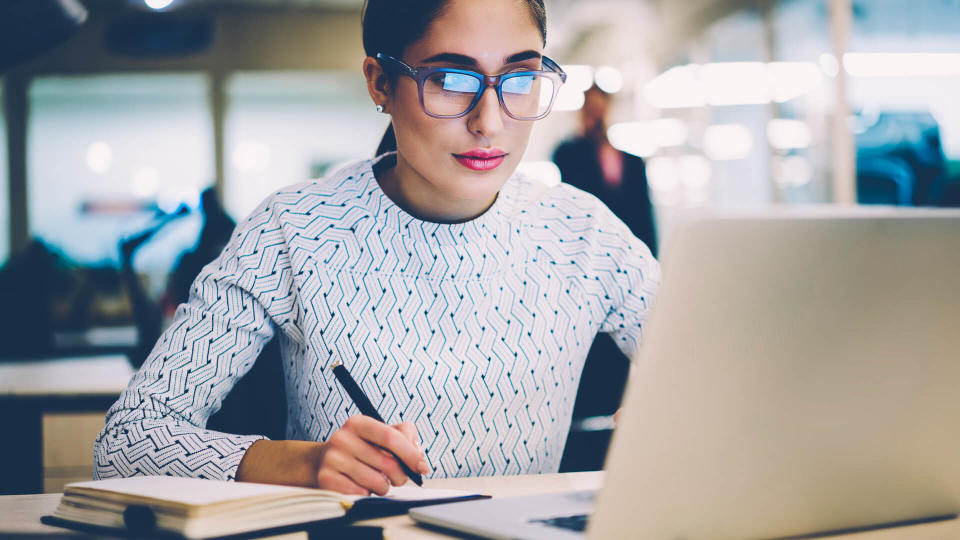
(486, 118)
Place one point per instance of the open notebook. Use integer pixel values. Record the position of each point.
(196, 508)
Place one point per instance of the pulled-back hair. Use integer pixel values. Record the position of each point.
(390, 26)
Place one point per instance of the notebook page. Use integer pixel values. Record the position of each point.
(187, 491)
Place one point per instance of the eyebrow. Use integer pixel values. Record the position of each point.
(464, 60)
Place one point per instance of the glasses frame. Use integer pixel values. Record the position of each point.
(420, 74)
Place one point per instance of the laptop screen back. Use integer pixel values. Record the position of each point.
(801, 373)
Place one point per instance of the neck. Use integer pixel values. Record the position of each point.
(596, 131)
(417, 196)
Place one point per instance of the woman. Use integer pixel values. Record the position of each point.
(461, 299)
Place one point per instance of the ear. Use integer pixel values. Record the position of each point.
(378, 83)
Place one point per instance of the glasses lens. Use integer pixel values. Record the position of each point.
(528, 96)
(447, 93)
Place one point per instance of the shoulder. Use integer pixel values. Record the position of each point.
(331, 197)
(568, 220)
(572, 144)
(536, 201)
(344, 184)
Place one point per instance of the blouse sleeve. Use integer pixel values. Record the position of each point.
(157, 425)
(632, 279)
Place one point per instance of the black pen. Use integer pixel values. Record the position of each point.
(367, 409)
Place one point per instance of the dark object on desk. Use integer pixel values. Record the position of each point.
(140, 520)
(30, 27)
(367, 409)
(53, 305)
(321, 531)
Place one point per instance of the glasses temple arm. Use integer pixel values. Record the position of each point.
(553, 66)
(386, 59)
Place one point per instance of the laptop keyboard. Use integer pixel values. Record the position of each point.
(576, 522)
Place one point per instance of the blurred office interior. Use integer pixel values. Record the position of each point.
(109, 138)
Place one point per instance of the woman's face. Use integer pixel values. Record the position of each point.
(435, 175)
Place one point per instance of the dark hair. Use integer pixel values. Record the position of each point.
(594, 89)
(390, 26)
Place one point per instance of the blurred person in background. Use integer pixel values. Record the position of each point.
(588, 161)
(462, 297)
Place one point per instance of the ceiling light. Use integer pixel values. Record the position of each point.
(645, 138)
(99, 157)
(788, 134)
(678, 87)
(579, 77)
(608, 79)
(727, 142)
(157, 5)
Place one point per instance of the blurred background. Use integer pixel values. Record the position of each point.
(142, 129)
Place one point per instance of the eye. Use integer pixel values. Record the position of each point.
(518, 85)
(455, 82)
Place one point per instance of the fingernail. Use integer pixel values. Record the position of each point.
(424, 469)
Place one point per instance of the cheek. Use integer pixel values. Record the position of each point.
(519, 136)
(411, 123)
(424, 135)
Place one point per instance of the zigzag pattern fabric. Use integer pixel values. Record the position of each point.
(476, 332)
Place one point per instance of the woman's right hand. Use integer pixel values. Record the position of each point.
(357, 458)
(354, 460)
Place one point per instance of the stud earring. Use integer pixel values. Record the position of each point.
(380, 108)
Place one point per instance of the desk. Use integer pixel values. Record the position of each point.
(30, 389)
(20, 514)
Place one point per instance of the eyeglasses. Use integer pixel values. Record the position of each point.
(452, 93)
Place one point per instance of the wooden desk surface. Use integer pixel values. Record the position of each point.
(20, 514)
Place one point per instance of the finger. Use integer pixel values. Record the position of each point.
(390, 439)
(409, 431)
(366, 476)
(375, 457)
(328, 478)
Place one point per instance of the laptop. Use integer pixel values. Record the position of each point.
(800, 374)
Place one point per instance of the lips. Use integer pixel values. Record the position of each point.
(481, 159)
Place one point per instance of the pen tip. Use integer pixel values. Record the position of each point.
(336, 365)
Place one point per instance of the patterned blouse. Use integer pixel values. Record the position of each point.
(476, 332)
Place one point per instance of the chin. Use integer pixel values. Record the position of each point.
(478, 195)
(482, 186)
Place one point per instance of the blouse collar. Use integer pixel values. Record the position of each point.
(489, 225)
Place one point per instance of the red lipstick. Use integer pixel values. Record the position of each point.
(480, 159)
